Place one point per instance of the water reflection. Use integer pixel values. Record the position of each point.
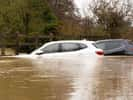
(83, 83)
(108, 78)
(114, 79)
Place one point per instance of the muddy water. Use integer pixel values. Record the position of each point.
(108, 78)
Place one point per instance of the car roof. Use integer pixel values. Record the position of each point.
(72, 41)
(106, 40)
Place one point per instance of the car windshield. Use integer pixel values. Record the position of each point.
(107, 45)
(130, 42)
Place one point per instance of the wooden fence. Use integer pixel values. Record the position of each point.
(29, 43)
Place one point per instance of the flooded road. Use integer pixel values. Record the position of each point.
(108, 78)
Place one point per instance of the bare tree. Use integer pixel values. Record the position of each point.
(113, 15)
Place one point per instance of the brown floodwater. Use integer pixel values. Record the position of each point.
(107, 78)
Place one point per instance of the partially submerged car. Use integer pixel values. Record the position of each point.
(115, 46)
(68, 48)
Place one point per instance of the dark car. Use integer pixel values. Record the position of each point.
(115, 46)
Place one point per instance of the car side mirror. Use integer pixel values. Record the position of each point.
(40, 53)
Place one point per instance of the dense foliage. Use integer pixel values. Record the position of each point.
(110, 17)
(26, 17)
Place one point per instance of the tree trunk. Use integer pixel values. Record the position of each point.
(17, 44)
(3, 51)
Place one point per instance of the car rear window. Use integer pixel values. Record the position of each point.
(82, 46)
(107, 45)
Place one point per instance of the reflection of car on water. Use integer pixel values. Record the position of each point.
(115, 46)
(68, 48)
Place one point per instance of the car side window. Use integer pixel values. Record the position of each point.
(82, 46)
(108, 45)
(113, 45)
(53, 48)
(68, 47)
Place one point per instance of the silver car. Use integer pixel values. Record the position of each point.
(115, 46)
